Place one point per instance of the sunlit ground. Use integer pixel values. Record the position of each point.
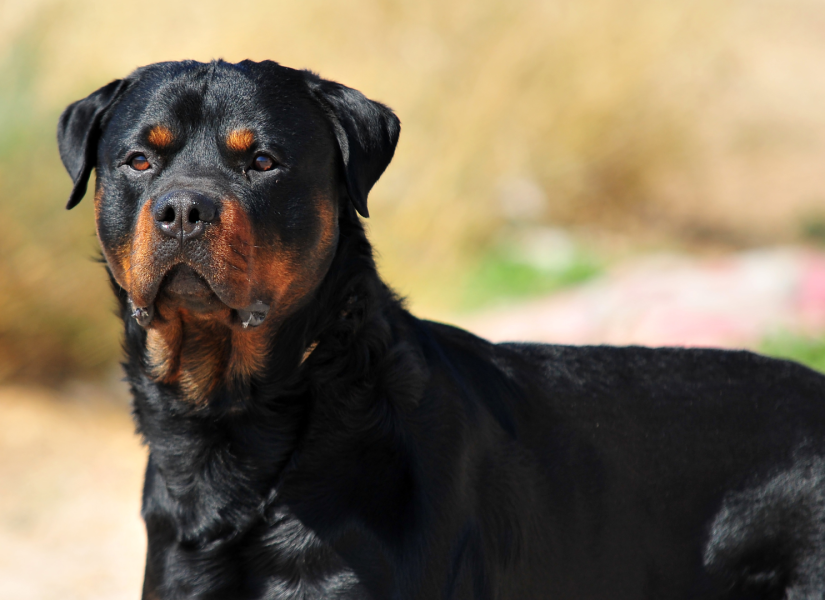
(71, 473)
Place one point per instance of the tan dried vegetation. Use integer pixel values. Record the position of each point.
(643, 121)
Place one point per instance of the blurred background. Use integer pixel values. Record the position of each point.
(577, 171)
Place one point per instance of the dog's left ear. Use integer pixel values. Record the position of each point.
(367, 132)
(78, 132)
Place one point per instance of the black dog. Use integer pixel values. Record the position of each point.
(309, 438)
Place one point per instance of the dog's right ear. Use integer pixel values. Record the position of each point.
(78, 132)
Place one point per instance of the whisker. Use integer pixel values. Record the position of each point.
(239, 253)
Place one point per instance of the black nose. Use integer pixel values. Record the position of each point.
(183, 214)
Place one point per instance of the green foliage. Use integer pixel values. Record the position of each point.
(809, 351)
(505, 273)
(813, 228)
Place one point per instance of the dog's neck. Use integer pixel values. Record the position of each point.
(249, 427)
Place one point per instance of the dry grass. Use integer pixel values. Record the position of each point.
(658, 120)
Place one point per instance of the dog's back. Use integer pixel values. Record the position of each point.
(664, 473)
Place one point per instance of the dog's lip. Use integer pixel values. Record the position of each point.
(183, 280)
(184, 284)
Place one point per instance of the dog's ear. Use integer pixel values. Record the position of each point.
(367, 132)
(78, 132)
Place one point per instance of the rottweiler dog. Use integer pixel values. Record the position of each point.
(310, 438)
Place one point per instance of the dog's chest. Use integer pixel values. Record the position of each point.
(278, 558)
(291, 561)
(207, 544)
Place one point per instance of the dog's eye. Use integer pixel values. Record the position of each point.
(262, 163)
(139, 162)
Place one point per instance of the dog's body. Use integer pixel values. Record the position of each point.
(309, 438)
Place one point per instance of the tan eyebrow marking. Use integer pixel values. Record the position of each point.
(240, 140)
(160, 136)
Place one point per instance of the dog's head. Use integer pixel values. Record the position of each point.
(219, 185)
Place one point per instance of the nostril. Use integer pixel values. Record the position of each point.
(184, 214)
(204, 210)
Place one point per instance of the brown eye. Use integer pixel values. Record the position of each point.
(263, 163)
(139, 162)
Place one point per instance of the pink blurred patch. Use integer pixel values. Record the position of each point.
(675, 301)
(811, 298)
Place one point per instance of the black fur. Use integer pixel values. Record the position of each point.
(366, 131)
(408, 459)
(78, 132)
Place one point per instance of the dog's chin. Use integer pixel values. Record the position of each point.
(183, 287)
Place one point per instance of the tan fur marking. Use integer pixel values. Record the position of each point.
(240, 140)
(115, 256)
(203, 357)
(160, 136)
(248, 351)
(234, 257)
(198, 351)
(98, 199)
(188, 350)
(310, 349)
(163, 344)
(291, 276)
(233, 247)
(297, 276)
(328, 216)
(138, 266)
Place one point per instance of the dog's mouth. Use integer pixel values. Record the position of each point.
(184, 287)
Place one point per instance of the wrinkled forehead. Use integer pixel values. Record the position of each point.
(271, 101)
